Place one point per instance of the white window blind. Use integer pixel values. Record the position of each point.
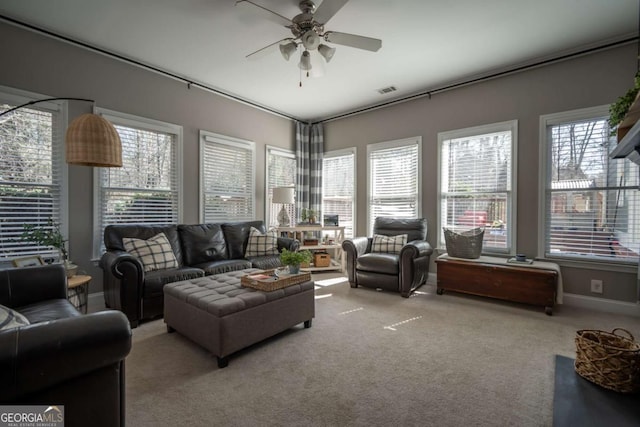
(32, 175)
(394, 179)
(476, 183)
(146, 189)
(227, 178)
(338, 187)
(592, 208)
(281, 172)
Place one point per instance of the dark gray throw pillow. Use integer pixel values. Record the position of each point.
(202, 243)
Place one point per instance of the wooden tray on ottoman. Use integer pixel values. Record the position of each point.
(258, 280)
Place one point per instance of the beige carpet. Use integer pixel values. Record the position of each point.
(370, 358)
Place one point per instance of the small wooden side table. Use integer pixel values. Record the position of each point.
(78, 291)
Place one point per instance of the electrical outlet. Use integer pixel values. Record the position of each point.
(596, 286)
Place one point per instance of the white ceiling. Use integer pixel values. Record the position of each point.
(426, 44)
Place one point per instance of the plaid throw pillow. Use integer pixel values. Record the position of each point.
(11, 319)
(262, 244)
(388, 244)
(154, 253)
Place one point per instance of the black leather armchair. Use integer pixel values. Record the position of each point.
(403, 272)
(62, 357)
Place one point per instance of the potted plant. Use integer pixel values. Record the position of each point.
(294, 259)
(308, 215)
(619, 109)
(50, 236)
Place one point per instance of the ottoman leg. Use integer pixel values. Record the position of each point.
(223, 362)
(307, 323)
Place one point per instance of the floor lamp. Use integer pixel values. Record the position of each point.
(283, 195)
(90, 140)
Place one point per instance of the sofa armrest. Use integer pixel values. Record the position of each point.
(414, 265)
(416, 248)
(41, 355)
(354, 248)
(123, 280)
(121, 263)
(24, 286)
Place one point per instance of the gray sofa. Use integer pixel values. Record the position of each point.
(200, 249)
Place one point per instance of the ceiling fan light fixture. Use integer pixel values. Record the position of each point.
(287, 49)
(326, 52)
(310, 40)
(305, 61)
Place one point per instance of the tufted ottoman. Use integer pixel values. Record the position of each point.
(224, 317)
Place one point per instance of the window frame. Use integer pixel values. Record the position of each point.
(512, 215)
(354, 209)
(59, 109)
(143, 123)
(283, 152)
(216, 138)
(398, 143)
(546, 121)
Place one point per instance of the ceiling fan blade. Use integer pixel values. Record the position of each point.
(360, 42)
(260, 53)
(327, 9)
(268, 14)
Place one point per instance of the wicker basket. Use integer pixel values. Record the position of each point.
(321, 259)
(609, 359)
(467, 244)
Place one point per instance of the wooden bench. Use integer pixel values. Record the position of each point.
(535, 283)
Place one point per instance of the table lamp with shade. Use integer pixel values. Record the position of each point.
(283, 195)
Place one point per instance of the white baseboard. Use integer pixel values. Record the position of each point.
(602, 304)
(432, 279)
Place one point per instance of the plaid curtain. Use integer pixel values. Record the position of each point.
(309, 149)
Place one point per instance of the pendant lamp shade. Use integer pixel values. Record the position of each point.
(288, 49)
(326, 52)
(92, 141)
(305, 61)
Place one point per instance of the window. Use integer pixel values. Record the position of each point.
(227, 180)
(394, 179)
(339, 187)
(591, 203)
(477, 178)
(32, 172)
(281, 172)
(148, 187)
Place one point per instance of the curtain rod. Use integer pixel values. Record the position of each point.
(483, 78)
(146, 66)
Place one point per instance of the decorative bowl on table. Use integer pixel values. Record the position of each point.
(72, 269)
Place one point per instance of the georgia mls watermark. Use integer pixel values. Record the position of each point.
(31, 416)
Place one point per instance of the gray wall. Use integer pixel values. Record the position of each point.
(586, 81)
(52, 68)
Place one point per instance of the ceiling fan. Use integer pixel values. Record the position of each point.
(309, 33)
